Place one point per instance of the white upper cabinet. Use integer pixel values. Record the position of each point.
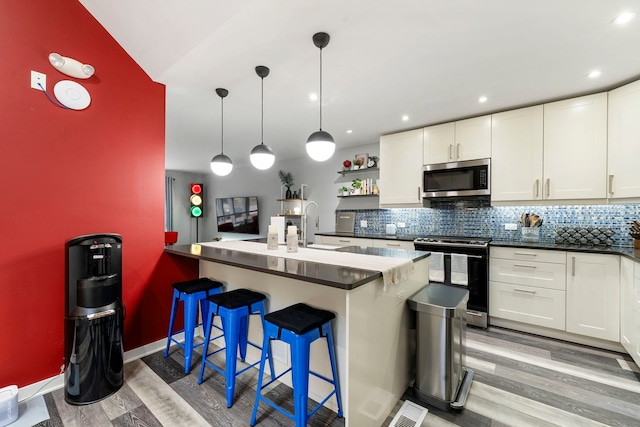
(468, 139)
(401, 169)
(575, 148)
(516, 146)
(473, 138)
(439, 141)
(624, 142)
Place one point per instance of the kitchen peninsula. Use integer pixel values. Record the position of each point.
(372, 325)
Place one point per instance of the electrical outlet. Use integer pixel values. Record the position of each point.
(363, 223)
(511, 227)
(401, 225)
(399, 297)
(36, 78)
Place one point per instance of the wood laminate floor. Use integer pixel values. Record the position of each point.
(520, 380)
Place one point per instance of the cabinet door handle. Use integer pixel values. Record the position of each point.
(450, 151)
(524, 265)
(548, 187)
(457, 151)
(419, 193)
(525, 253)
(611, 184)
(524, 290)
(344, 241)
(393, 244)
(537, 188)
(573, 266)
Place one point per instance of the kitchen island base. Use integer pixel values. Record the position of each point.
(373, 336)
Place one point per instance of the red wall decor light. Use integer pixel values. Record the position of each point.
(197, 201)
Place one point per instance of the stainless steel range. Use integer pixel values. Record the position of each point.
(475, 251)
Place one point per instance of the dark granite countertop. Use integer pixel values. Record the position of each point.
(336, 276)
(626, 251)
(382, 236)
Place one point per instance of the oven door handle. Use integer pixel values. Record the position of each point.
(449, 254)
(450, 245)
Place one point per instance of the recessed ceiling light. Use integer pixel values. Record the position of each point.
(349, 131)
(405, 118)
(594, 74)
(623, 18)
(313, 97)
(483, 99)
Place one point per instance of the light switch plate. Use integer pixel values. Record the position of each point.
(363, 223)
(511, 227)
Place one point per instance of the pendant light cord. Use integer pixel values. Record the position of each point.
(222, 124)
(262, 112)
(320, 88)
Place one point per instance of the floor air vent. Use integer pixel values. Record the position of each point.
(409, 415)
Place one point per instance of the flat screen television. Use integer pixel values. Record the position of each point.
(237, 215)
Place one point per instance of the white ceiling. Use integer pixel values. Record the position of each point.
(428, 59)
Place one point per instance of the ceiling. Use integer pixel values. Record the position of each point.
(428, 59)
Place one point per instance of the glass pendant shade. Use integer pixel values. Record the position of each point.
(262, 157)
(320, 146)
(221, 165)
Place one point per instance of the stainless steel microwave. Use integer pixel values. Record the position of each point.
(457, 179)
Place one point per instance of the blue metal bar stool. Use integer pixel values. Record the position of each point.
(299, 325)
(190, 293)
(234, 308)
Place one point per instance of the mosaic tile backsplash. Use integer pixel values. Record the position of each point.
(463, 219)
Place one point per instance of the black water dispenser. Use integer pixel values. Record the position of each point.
(94, 315)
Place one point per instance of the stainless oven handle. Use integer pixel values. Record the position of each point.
(468, 256)
(452, 245)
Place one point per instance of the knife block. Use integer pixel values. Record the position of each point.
(636, 244)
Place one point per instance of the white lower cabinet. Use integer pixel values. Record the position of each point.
(627, 319)
(593, 295)
(393, 244)
(536, 306)
(528, 290)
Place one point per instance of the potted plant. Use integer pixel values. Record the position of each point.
(287, 180)
(356, 164)
(344, 191)
(357, 186)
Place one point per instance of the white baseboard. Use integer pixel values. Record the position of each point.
(56, 382)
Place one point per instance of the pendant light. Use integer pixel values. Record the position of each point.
(262, 156)
(320, 145)
(221, 165)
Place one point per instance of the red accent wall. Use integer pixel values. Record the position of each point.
(66, 173)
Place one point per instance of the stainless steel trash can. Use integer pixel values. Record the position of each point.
(442, 379)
